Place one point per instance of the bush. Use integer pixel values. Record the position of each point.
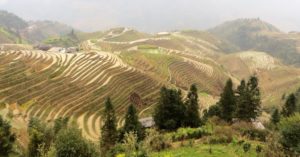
(132, 147)
(222, 135)
(188, 133)
(246, 147)
(290, 133)
(155, 141)
(273, 147)
(256, 134)
(247, 129)
(70, 143)
(258, 149)
(7, 138)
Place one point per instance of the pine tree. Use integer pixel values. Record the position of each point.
(192, 116)
(290, 106)
(275, 116)
(227, 102)
(248, 100)
(7, 138)
(241, 102)
(132, 123)
(169, 113)
(109, 129)
(254, 105)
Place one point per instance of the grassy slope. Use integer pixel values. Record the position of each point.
(202, 150)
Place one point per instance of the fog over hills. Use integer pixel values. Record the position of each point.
(155, 15)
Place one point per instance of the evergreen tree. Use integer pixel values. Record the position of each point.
(227, 102)
(248, 100)
(192, 116)
(39, 135)
(241, 102)
(290, 106)
(275, 117)
(132, 123)
(70, 143)
(109, 130)
(254, 98)
(169, 113)
(7, 138)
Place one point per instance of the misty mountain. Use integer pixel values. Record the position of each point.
(15, 30)
(255, 34)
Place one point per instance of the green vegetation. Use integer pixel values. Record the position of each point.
(290, 106)
(7, 138)
(170, 111)
(69, 40)
(248, 100)
(207, 151)
(109, 129)
(70, 143)
(132, 124)
(227, 102)
(192, 115)
(290, 134)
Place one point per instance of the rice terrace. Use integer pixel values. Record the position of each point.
(164, 90)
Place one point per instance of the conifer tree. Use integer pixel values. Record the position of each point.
(132, 123)
(275, 116)
(241, 100)
(109, 130)
(290, 106)
(169, 113)
(254, 105)
(7, 138)
(248, 100)
(227, 102)
(192, 116)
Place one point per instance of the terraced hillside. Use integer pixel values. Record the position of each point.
(52, 85)
(275, 77)
(130, 67)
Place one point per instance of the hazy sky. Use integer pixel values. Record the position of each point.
(156, 15)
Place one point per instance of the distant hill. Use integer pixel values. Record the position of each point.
(11, 21)
(14, 29)
(255, 34)
(7, 36)
(38, 31)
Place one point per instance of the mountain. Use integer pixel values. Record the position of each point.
(130, 67)
(14, 29)
(11, 21)
(255, 34)
(7, 36)
(38, 31)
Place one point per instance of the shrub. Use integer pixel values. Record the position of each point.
(246, 147)
(273, 147)
(256, 134)
(70, 143)
(7, 138)
(188, 133)
(258, 149)
(222, 135)
(290, 133)
(155, 141)
(132, 147)
(247, 129)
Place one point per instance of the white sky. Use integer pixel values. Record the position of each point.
(156, 15)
